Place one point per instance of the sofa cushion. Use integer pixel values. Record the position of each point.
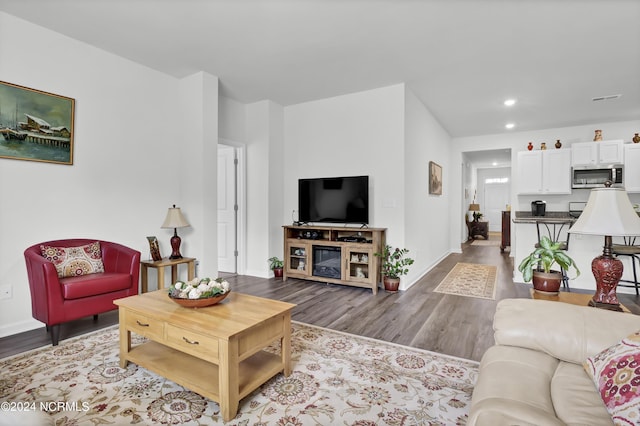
(616, 374)
(575, 399)
(74, 261)
(94, 284)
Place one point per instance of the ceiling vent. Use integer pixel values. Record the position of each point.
(605, 98)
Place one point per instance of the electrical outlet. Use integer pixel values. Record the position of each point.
(5, 292)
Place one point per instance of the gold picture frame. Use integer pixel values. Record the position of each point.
(154, 249)
(35, 125)
(435, 178)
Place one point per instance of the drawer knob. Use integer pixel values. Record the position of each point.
(141, 324)
(191, 342)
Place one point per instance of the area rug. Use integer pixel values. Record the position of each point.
(471, 280)
(337, 378)
(485, 243)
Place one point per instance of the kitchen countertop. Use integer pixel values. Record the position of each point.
(527, 217)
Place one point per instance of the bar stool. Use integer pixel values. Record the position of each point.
(557, 232)
(629, 248)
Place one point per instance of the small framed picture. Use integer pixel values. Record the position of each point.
(435, 178)
(154, 248)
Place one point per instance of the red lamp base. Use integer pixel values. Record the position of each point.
(607, 271)
(175, 246)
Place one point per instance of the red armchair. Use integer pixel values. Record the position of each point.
(57, 300)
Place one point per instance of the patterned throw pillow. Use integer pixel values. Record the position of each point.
(75, 261)
(616, 374)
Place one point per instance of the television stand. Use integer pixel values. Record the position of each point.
(337, 255)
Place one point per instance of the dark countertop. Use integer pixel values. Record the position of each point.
(527, 217)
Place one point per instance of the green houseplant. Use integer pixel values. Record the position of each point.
(537, 266)
(276, 265)
(395, 263)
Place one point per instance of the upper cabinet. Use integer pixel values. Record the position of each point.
(544, 172)
(632, 167)
(601, 153)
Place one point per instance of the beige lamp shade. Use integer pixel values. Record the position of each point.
(474, 207)
(174, 218)
(608, 212)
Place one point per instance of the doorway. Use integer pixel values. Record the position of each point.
(231, 212)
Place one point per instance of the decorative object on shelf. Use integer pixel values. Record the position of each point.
(558, 144)
(543, 146)
(199, 292)
(276, 266)
(530, 146)
(608, 212)
(636, 138)
(395, 263)
(435, 178)
(175, 220)
(364, 258)
(360, 273)
(355, 258)
(537, 266)
(300, 266)
(598, 136)
(40, 123)
(154, 248)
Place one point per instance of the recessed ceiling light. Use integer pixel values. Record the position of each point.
(510, 125)
(510, 102)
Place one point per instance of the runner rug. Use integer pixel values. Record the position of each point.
(337, 378)
(470, 279)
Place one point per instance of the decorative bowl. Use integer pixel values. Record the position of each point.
(200, 303)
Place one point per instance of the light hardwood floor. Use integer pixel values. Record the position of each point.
(453, 325)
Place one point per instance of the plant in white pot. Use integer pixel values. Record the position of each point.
(395, 263)
(537, 266)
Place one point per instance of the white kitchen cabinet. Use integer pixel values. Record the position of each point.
(544, 172)
(601, 153)
(632, 167)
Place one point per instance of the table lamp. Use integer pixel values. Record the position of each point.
(175, 220)
(608, 212)
(475, 208)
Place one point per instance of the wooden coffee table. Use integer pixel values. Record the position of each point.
(581, 299)
(215, 351)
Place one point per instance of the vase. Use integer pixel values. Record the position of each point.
(558, 144)
(543, 146)
(391, 284)
(598, 136)
(636, 138)
(530, 146)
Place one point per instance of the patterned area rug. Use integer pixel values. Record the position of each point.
(470, 279)
(337, 378)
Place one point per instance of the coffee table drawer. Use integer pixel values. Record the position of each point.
(193, 343)
(144, 325)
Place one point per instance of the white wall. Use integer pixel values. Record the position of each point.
(129, 157)
(427, 218)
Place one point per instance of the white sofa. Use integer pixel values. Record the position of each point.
(534, 374)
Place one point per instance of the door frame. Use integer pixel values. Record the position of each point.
(241, 200)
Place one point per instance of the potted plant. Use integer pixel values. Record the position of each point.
(276, 266)
(395, 263)
(537, 266)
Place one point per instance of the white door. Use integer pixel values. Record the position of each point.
(227, 218)
(496, 198)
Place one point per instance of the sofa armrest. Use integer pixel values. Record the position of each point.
(568, 332)
(121, 259)
(46, 291)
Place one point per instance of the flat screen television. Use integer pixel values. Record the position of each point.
(334, 200)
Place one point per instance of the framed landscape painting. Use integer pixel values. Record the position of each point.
(35, 125)
(435, 178)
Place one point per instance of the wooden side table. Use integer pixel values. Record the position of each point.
(160, 265)
(478, 228)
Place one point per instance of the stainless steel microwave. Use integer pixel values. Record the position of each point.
(596, 177)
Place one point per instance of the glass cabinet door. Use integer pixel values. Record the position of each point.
(359, 261)
(298, 258)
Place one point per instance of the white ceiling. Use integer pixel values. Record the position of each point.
(462, 58)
